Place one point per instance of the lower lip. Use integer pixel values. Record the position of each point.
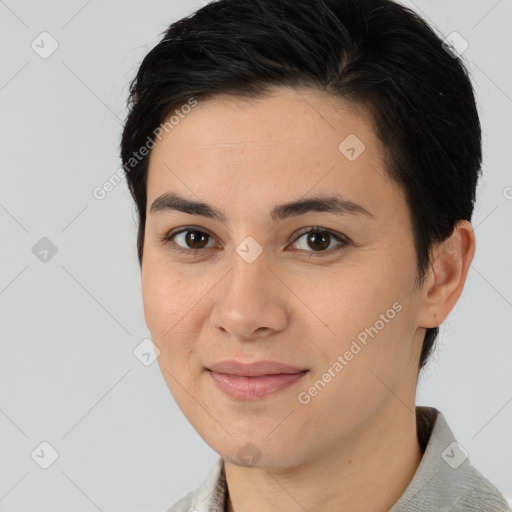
(252, 388)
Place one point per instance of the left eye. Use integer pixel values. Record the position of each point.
(320, 240)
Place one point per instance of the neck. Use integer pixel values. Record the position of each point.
(370, 470)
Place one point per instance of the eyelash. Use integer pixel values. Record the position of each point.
(167, 239)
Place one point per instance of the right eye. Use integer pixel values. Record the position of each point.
(186, 241)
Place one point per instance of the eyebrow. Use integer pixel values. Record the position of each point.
(334, 204)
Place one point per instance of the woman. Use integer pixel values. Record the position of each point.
(305, 175)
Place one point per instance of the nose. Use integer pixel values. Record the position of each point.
(251, 302)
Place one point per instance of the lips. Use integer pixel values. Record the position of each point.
(254, 381)
(257, 369)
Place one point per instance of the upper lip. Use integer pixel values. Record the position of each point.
(256, 369)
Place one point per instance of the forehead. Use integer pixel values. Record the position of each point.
(274, 148)
(305, 118)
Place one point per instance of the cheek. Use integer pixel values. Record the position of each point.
(351, 299)
(174, 315)
(369, 313)
(361, 369)
(167, 303)
(164, 299)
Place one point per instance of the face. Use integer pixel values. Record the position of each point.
(328, 290)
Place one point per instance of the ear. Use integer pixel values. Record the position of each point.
(447, 275)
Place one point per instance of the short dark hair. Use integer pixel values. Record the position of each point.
(374, 53)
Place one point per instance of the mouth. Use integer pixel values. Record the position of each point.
(255, 369)
(255, 387)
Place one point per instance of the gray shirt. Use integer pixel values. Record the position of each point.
(445, 480)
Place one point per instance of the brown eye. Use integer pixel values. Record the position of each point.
(196, 239)
(188, 240)
(318, 240)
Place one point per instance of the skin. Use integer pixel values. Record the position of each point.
(354, 445)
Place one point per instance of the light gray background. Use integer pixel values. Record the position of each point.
(68, 375)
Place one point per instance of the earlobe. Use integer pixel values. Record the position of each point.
(449, 268)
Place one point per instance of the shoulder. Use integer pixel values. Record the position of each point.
(480, 495)
(445, 479)
(473, 491)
